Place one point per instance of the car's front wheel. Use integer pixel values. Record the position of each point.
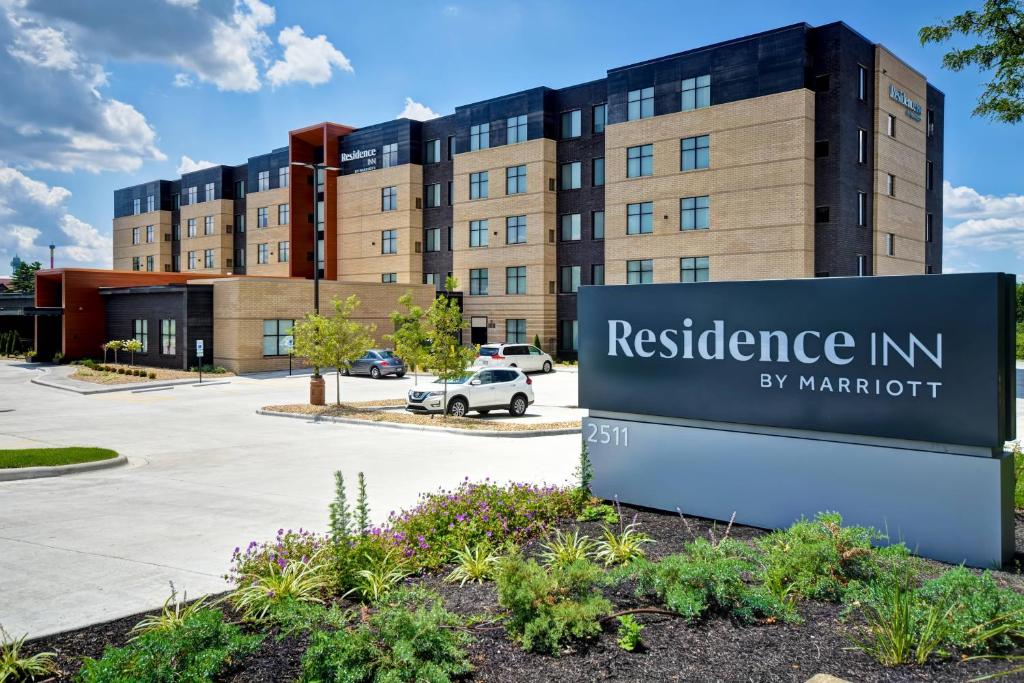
(375, 372)
(458, 407)
(547, 366)
(518, 405)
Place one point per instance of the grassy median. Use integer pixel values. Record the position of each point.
(50, 457)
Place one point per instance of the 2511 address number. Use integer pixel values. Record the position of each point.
(605, 434)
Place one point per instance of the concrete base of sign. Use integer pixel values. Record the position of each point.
(953, 508)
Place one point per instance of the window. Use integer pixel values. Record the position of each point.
(931, 122)
(193, 195)
(515, 331)
(890, 244)
(695, 153)
(640, 104)
(929, 222)
(693, 269)
(239, 189)
(890, 184)
(862, 265)
(570, 223)
(282, 176)
(597, 223)
(208, 258)
(478, 281)
(516, 126)
(515, 230)
(820, 149)
(432, 239)
(862, 209)
(450, 243)
(862, 146)
(569, 279)
(150, 203)
(240, 222)
(451, 147)
(929, 172)
(433, 152)
(175, 263)
(282, 214)
(479, 136)
(240, 258)
(150, 263)
(176, 232)
(150, 234)
(168, 337)
(639, 218)
(277, 337)
(695, 213)
(450, 193)
(640, 272)
(389, 199)
(263, 181)
(431, 278)
(283, 252)
(597, 274)
(261, 253)
(478, 185)
(478, 233)
(191, 227)
(572, 124)
(388, 278)
(696, 92)
(515, 179)
(597, 171)
(821, 214)
(209, 193)
(261, 217)
(390, 157)
(600, 118)
(572, 176)
(136, 207)
(136, 236)
(515, 280)
(891, 126)
(208, 228)
(140, 332)
(639, 161)
(389, 242)
(862, 83)
(432, 194)
(136, 263)
(192, 260)
(570, 335)
(176, 201)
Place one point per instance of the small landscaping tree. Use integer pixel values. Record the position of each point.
(311, 341)
(333, 342)
(114, 345)
(410, 337)
(447, 358)
(536, 340)
(132, 345)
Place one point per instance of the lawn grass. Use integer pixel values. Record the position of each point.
(49, 457)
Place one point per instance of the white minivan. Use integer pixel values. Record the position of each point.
(523, 356)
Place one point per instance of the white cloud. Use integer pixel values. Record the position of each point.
(982, 228)
(416, 111)
(188, 165)
(451, 10)
(182, 80)
(307, 60)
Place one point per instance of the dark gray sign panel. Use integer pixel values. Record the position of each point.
(925, 358)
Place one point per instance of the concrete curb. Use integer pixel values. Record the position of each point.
(423, 428)
(16, 473)
(134, 386)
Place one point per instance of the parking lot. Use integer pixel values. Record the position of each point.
(207, 474)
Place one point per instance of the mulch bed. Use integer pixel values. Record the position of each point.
(716, 649)
(365, 411)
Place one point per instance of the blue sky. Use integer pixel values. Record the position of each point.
(110, 93)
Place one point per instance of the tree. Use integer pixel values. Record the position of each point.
(410, 337)
(341, 514)
(447, 358)
(23, 277)
(334, 342)
(132, 345)
(999, 28)
(114, 345)
(1020, 302)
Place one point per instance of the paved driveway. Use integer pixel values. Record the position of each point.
(206, 474)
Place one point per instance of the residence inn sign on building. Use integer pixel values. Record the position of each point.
(887, 399)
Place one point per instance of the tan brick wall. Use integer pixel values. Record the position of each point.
(160, 248)
(221, 241)
(538, 204)
(903, 156)
(760, 183)
(270, 235)
(242, 304)
(361, 224)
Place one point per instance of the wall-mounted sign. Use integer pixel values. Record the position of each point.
(360, 160)
(926, 358)
(913, 109)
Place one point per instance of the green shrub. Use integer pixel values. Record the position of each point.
(58, 358)
(817, 559)
(199, 649)
(408, 640)
(1020, 341)
(984, 618)
(707, 577)
(381, 574)
(298, 580)
(151, 375)
(622, 547)
(598, 512)
(549, 608)
(16, 667)
(1018, 466)
(473, 564)
(565, 549)
(174, 613)
(629, 633)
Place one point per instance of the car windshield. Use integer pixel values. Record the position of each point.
(458, 380)
(488, 350)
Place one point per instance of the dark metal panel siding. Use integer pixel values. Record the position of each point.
(439, 262)
(405, 132)
(497, 111)
(933, 198)
(163, 190)
(199, 324)
(123, 309)
(836, 51)
(271, 162)
(240, 172)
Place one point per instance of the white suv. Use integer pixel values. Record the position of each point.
(523, 356)
(483, 391)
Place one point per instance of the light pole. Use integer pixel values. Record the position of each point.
(316, 168)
